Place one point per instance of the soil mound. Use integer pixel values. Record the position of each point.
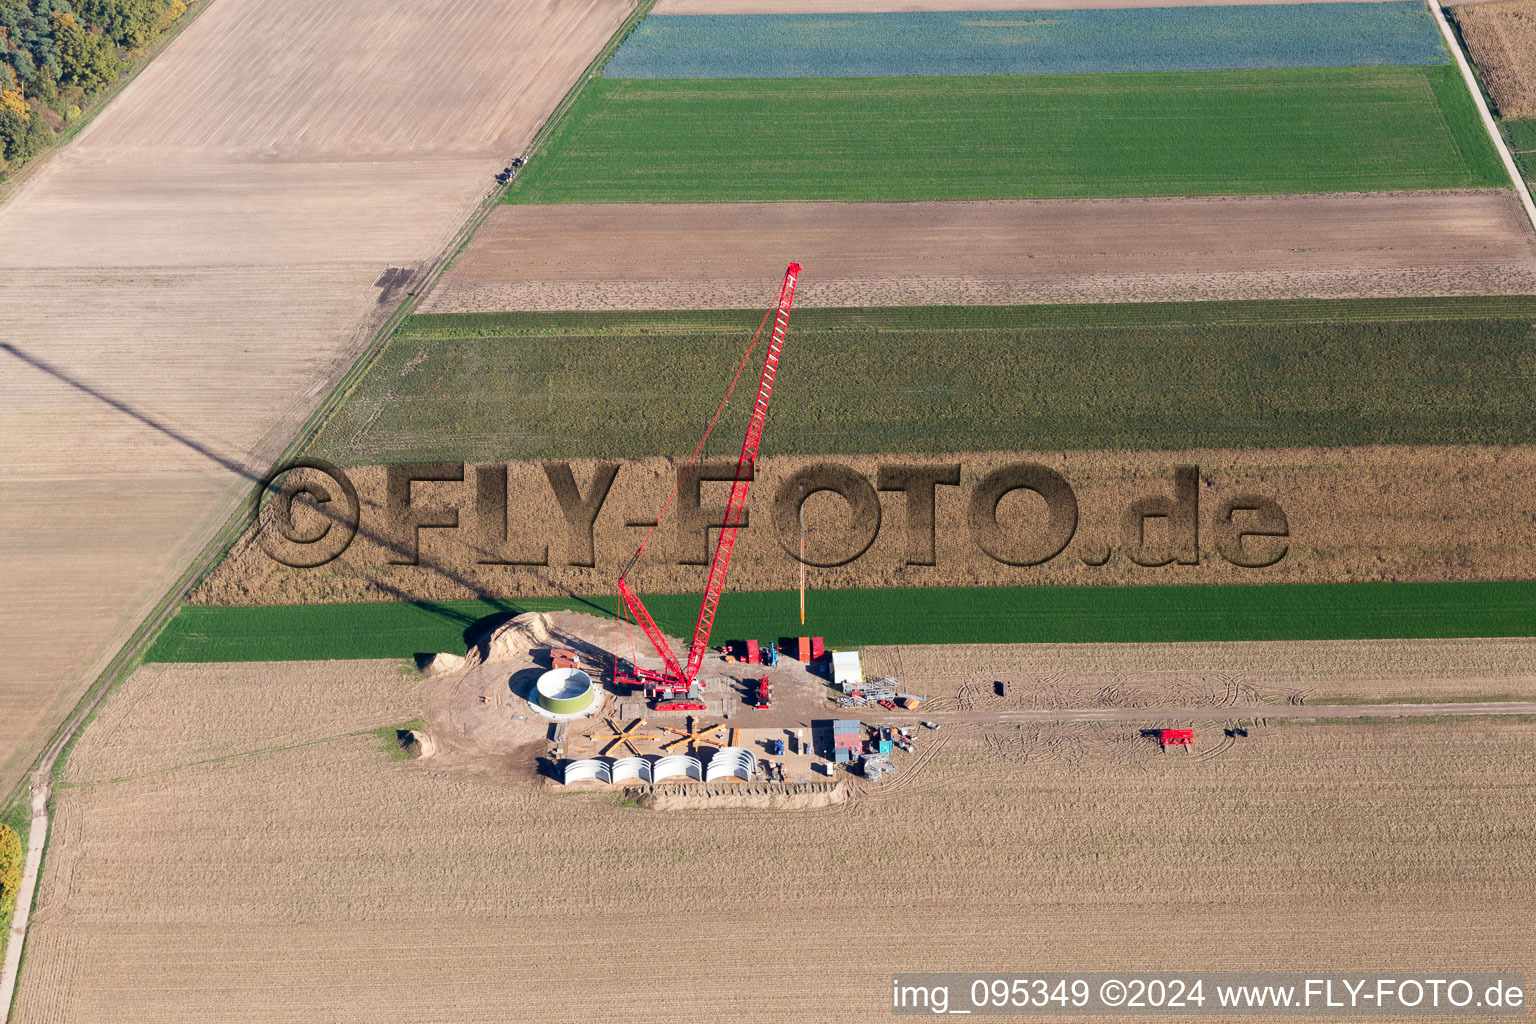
(417, 743)
(513, 639)
(439, 664)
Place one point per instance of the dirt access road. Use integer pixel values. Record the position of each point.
(182, 284)
(689, 255)
(1233, 712)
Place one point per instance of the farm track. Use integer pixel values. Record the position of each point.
(1202, 713)
(185, 281)
(688, 256)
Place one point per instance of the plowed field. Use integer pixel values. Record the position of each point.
(692, 256)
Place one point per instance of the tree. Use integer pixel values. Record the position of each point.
(86, 59)
(128, 23)
(10, 864)
(22, 134)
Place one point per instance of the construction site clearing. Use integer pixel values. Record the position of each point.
(822, 730)
(491, 707)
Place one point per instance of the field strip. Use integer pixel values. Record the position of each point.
(218, 240)
(1498, 41)
(1071, 41)
(1489, 124)
(914, 138)
(878, 6)
(1435, 514)
(849, 618)
(692, 256)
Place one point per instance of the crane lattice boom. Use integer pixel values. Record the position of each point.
(679, 678)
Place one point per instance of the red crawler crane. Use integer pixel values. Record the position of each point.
(676, 688)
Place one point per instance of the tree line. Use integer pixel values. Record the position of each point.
(55, 55)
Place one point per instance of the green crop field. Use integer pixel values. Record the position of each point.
(1160, 376)
(618, 323)
(856, 618)
(1124, 134)
(1522, 142)
(1522, 136)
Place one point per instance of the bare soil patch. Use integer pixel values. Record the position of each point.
(1502, 38)
(325, 881)
(480, 720)
(1355, 514)
(693, 256)
(216, 243)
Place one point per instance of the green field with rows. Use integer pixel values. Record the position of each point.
(1123, 134)
(857, 618)
(1160, 376)
(620, 322)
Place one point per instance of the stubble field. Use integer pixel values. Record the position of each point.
(167, 717)
(215, 245)
(326, 881)
(1499, 37)
(1355, 514)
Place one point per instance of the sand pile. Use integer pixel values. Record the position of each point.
(512, 639)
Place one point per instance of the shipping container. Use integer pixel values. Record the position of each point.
(818, 647)
(847, 725)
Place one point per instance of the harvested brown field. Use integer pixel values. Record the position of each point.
(1354, 514)
(186, 279)
(166, 717)
(325, 882)
(692, 256)
(872, 6)
(1501, 36)
(1046, 676)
